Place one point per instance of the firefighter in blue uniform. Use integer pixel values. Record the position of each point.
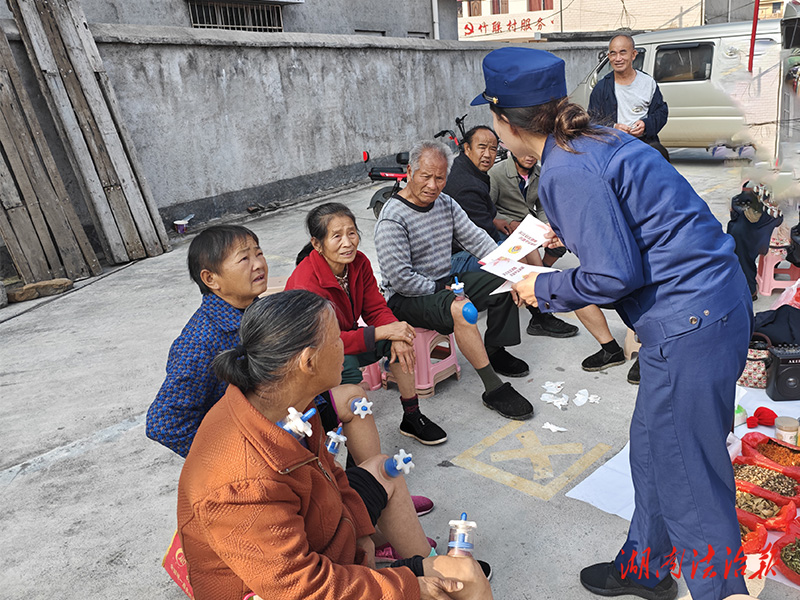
(648, 244)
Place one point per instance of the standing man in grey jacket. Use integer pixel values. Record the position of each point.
(413, 238)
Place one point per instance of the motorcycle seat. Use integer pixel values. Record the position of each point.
(384, 173)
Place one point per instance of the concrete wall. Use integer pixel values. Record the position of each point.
(389, 17)
(135, 12)
(393, 18)
(717, 11)
(223, 120)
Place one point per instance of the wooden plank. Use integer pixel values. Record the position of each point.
(96, 63)
(21, 225)
(15, 250)
(63, 199)
(87, 40)
(93, 136)
(29, 198)
(71, 260)
(106, 125)
(26, 12)
(64, 117)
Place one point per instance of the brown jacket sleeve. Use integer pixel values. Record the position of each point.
(265, 545)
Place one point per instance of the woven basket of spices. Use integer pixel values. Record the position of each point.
(766, 480)
(787, 555)
(777, 454)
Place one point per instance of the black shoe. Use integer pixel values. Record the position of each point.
(508, 402)
(633, 374)
(550, 325)
(604, 580)
(487, 569)
(505, 364)
(422, 429)
(602, 360)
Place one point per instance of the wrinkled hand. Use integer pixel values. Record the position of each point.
(399, 331)
(366, 544)
(403, 353)
(526, 290)
(637, 129)
(551, 239)
(438, 588)
(503, 226)
(622, 127)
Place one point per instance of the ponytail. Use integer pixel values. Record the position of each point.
(307, 249)
(273, 333)
(563, 119)
(231, 366)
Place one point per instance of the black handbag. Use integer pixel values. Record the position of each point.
(793, 253)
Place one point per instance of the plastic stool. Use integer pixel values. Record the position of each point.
(372, 377)
(428, 348)
(632, 344)
(768, 269)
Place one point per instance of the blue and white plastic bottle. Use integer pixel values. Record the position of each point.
(361, 407)
(297, 423)
(462, 537)
(399, 463)
(335, 441)
(469, 312)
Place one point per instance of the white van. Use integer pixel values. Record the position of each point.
(702, 73)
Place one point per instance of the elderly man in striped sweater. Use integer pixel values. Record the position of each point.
(413, 237)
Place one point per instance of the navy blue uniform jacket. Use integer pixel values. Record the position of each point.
(646, 241)
(603, 109)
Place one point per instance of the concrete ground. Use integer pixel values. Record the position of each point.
(87, 502)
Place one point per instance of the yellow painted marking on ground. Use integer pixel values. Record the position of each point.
(538, 454)
(469, 460)
(712, 188)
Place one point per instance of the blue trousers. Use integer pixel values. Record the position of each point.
(682, 475)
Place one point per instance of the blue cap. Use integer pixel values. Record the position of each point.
(517, 77)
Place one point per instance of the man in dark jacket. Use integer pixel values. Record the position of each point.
(627, 99)
(468, 184)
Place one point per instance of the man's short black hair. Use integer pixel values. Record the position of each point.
(471, 134)
(211, 247)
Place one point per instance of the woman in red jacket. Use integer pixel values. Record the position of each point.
(331, 266)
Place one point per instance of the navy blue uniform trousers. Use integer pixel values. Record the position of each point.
(684, 411)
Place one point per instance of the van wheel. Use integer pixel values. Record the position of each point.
(380, 198)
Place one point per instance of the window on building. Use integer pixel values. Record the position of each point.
(499, 7)
(683, 62)
(422, 35)
(475, 8)
(534, 5)
(243, 16)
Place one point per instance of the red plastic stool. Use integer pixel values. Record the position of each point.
(768, 269)
(436, 360)
(372, 377)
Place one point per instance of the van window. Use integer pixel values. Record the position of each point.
(638, 63)
(683, 62)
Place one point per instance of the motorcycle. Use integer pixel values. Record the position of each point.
(398, 175)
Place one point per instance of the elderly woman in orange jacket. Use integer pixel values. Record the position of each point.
(331, 266)
(261, 510)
